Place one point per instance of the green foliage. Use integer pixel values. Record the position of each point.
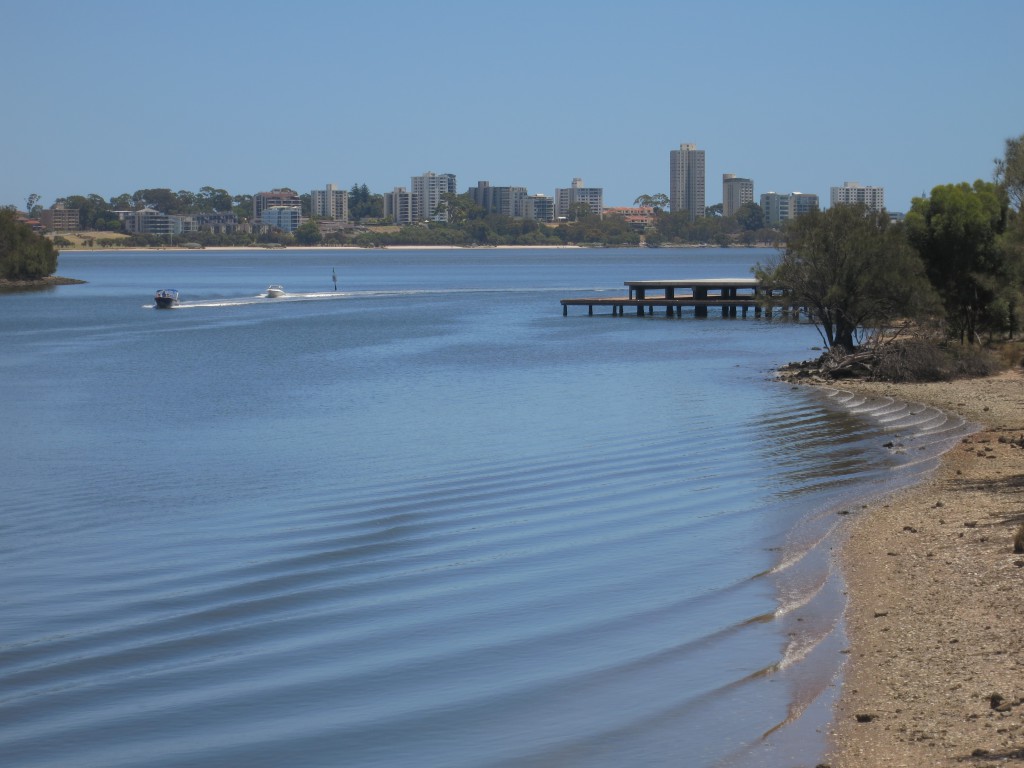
(658, 202)
(1010, 171)
(853, 271)
(458, 209)
(957, 233)
(610, 230)
(308, 234)
(94, 211)
(750, 217)
(364, 205)
(24, 255)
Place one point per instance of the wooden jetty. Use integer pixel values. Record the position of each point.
(735, 295)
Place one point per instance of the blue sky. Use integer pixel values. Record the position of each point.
(110, 96)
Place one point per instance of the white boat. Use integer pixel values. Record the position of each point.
(275, 291)
(166, 298)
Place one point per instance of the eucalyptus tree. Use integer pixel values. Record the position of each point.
(853, 271)
(24, 255)
(1010, 171)
(658, 202)
(956, 231)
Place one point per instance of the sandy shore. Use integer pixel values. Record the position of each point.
(935, 673)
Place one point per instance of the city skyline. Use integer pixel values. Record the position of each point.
(903, 97)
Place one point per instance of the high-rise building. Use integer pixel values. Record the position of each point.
(275, 198)
(330, 203)
(398, 205)
(539, 208)
(686, 180)
(427, 192)
(851, 192)
(504, 201)
(568, 197)
(736, 193)
(803, 202)
(780, 207)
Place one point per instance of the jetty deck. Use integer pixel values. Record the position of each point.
(734, 295)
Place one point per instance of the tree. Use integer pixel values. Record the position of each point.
(211, 200)
(956, 232)
(364, 205)
(658, 202)
(852, 270)
(24, 255)
(578, 211)
(308, 234)
(242, 206)
(1010, 171)
(93, 211)
(750, 217)
(458, 209)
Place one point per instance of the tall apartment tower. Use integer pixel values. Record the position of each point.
(426, 195)
(851, 192)
(330, 203)
(735, 193)
(567, 197)
(686, 180)
(398, 206)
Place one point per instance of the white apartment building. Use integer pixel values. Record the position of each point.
(330, 203)
(427, 191)
(851, 192)
(736, 193)
(539, 208)
(686, 181)
(287, 218)
(566, 198)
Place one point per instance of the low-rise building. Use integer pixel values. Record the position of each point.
(640, 216)
(61, 219)
(150, 221)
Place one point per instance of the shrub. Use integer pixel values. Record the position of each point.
(912, 360)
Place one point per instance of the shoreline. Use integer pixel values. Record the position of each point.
(933, 672)
(408, 247)
(10, 286)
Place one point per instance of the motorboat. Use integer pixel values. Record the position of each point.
(275, 291)
(166, 298)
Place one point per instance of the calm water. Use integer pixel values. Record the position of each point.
(425, 520)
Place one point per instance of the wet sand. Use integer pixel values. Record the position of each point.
(935, 672)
